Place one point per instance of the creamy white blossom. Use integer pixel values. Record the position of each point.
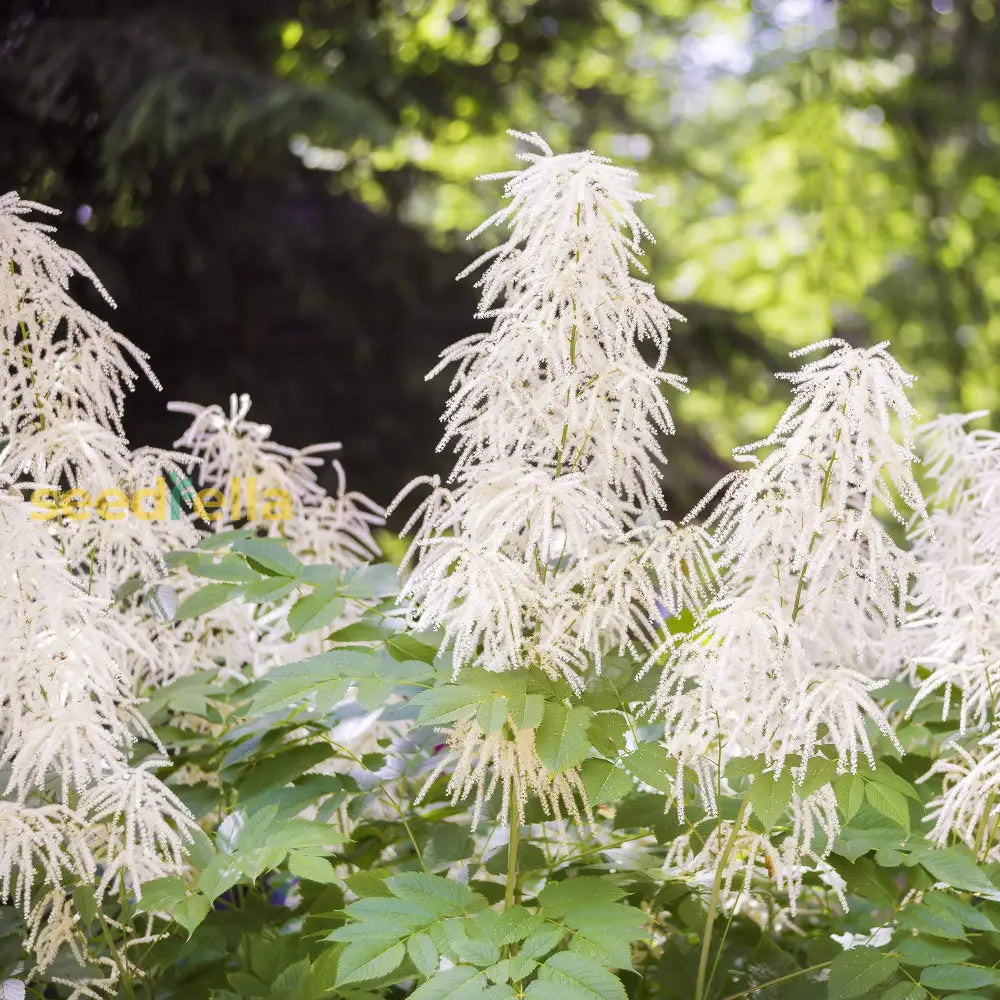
(71, 654)
(788, 655)
(954, 630)
(533, 554)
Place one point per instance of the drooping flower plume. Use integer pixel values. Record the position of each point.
(547, 546)
(787, 658)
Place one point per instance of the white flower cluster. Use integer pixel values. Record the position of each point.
(954, 631)
(546, 546)
(74, 807)
(785, 658)
(952, 644)
(232, 452)
(235, 456)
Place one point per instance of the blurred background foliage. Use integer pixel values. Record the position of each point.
(277, 192)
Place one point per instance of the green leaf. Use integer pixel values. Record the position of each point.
(560, 898)
(365, 960)
(819, 772)
(459, 983)
(857, 971)
(316, 609)
(889, 803)
(267, 590)
(326, 676)
(423, 953)
(769, 797)
(604, 781)
(419, 886)
(570, 976)
(850, 792)
(311, 867)
(958, 977)
(525, 710)
(561, 739)
(957, 867)
(228, 568)
(904, 991)
(492, 715)
(221, 539)
(404, 647)
(885, 775)
(191, 911)
(446, 703)
(162, 894)
(207, 599)
(651, 765)
(926, 920)
(917, 951)
(270, 554)
(285, 766)
(966, 913)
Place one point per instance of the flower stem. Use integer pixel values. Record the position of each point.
(513, 840)
(713, 905)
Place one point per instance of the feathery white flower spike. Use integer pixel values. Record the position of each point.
(954, 629)
(812, 580)
(533, 554)
(72, 658)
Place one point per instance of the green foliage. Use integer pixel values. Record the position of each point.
(324, 870)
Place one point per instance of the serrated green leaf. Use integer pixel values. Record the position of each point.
(859, 970)
(201, 602)
(315, 610)
(819, 772)
(561, 739)
(362, 961)
(404, 647)
(889, 803)
(604, 781)
(270, 554)
(571, 976)
(651, 765)
(267, 590)
(420, 886)
(956, 867)
(918, 951)
(526, 710)
(966, 913)
(850, 792)
(769, 797)
(459, 983)
(311, 867)
(492, 715)
(958, 977)
(926, 920)
(905, 991)
(423, 953)
(561, 897)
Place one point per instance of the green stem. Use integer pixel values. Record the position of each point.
(780, 979)
(713, 905)
(512, 845)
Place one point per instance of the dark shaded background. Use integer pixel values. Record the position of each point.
(275, 192)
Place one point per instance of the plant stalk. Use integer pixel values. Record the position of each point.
(713, 905)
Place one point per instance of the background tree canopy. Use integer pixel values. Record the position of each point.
(277, 193)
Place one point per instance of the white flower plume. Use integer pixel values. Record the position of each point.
(788, 656)
(533, 554)
(954, 630)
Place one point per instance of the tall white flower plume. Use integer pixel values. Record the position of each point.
(787, 657)
(70, 655)
(954, 632)
(534, 554)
